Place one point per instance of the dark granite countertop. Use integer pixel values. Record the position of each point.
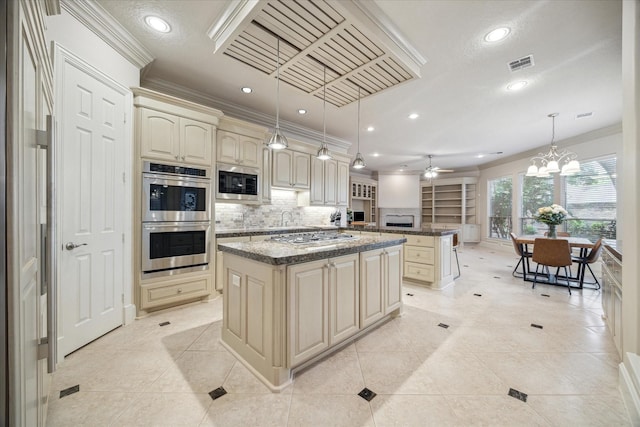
(404, 230)
(614, 247)
(277, 253)
(256, 231)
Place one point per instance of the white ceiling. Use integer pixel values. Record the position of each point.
(465, 109)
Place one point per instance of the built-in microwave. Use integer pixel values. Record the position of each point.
(175, 193)
(175, 247)
(237, 183)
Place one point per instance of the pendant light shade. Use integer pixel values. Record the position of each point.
(323, 152)
(277, 141)
(358, 162)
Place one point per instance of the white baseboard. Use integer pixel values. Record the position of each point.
(629, 378)
(129, 313)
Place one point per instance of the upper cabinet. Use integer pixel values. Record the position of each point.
(329, 183)
(291, 169)
(364, 197)
(239, 149)
(174, 130)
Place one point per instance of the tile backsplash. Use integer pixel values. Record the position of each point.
(236, 215)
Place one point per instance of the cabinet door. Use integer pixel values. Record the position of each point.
(343, 184)
(330, 182)
(309, 310)
(316, 194)
(344, 297)
(393, 278)
(196, 142)
(250, 151)
(371, 292)
(159, 135)
(301, 170)
(227, 147)
(282, 171)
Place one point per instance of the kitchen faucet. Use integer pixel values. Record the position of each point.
(282, 222)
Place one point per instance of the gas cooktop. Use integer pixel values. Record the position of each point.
(313, 237)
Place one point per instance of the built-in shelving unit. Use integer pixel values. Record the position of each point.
(451, 203)
(364, 197)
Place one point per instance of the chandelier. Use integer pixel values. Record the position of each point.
(542, 165)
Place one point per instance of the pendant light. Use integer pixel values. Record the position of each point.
(550, 163)
(358, 162)
(277, 140)
(323, 152)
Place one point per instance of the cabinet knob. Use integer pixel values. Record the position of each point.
(183, 157)
(179, 290)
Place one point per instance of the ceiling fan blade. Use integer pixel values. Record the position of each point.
(445, 170)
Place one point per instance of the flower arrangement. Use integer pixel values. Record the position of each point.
(551, 215)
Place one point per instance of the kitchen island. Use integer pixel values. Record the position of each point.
(287, 304)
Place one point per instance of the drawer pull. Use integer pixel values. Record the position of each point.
(179, 290)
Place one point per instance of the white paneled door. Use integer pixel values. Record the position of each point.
(92, 199)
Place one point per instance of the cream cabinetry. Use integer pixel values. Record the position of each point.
(237, 149)
(329, 186)
(363, 196)
(612, 296)
(427, 259)
(174, 290)
(168, 137)
(265, 186)
(290, 169)
(323, 300)
(381, 283)
(451, 203)
(219, 258)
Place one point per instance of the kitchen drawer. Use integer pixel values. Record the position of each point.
(415, 240)
(422, 272)
(174, 291)
(419, 254)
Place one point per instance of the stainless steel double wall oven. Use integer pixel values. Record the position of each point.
(176, 219)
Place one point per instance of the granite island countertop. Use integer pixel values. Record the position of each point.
(403, 230)
(283, 253)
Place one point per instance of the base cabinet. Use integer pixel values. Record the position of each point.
(154, 294)
(427, 260)
(277, 318)
(381, 283)
(612, 296)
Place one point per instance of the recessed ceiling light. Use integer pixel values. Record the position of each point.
(480, 156)
(370, 129)
(157, 24)
(414, 116)
(497, 34)
(302, 111)
(402, 167)
(517, 85)
(376, 154)
(246, 89)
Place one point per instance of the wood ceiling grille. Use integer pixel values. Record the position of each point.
(314, 35)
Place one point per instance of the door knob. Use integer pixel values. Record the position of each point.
(71, 246)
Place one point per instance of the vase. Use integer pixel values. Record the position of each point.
(552, 232)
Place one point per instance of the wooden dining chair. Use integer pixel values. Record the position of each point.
(590, 258)
(523, 254)
(552, 253)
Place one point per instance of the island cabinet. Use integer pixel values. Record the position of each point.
(287, 306)
(381, 291)
(291, 169)
(237, 149)
(324, 305)
(427, 260)
(165, 136)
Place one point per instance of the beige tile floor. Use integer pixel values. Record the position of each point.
(147, 375)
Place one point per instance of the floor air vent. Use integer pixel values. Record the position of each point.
(521, 63)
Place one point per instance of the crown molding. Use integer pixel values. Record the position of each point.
(227, 25)
(293, 130)
(102, 24)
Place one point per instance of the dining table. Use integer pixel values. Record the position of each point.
(581, 243)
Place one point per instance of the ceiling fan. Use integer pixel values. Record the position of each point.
(433, 171)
